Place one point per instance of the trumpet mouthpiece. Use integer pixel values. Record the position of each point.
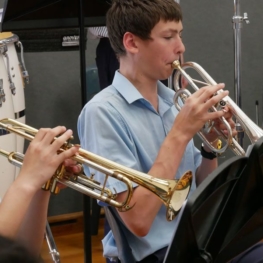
(176, 64)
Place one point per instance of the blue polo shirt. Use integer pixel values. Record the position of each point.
(122, 126)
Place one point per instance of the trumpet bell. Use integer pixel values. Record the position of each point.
(182, 188)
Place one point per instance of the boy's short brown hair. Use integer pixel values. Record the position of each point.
(138, 17)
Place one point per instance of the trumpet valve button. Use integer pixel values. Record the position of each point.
(222, 103)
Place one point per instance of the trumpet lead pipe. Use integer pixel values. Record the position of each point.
(4, 153)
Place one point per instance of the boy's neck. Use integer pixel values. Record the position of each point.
(146, 86)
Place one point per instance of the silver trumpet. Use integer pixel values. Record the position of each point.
(171, 192)
(253, 131)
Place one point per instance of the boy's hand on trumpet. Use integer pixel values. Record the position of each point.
(196, 111)
(213, 137)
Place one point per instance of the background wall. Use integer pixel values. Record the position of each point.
(53, 96)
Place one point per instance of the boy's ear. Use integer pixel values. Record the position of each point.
(129, 42)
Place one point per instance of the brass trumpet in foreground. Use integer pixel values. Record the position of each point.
(171, 192)
(251, 129)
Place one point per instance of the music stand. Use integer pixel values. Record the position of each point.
(224, 216)
(46, 14)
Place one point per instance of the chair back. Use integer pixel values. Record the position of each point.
(124, 250)
(92, 82)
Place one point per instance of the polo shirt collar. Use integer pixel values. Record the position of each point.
(131, 94)
(126, 88)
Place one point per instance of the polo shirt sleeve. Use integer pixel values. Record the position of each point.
(102, 131)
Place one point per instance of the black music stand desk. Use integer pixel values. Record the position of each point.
(224, 216)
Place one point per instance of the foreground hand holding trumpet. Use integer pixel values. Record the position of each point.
(171, 192)
(43, 152)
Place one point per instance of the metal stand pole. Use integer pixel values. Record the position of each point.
(237, 26)
(52, 245)
(86, 199)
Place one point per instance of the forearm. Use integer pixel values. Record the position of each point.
(14, 207)
(23, 215)
(147, 204)
(32, 230)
